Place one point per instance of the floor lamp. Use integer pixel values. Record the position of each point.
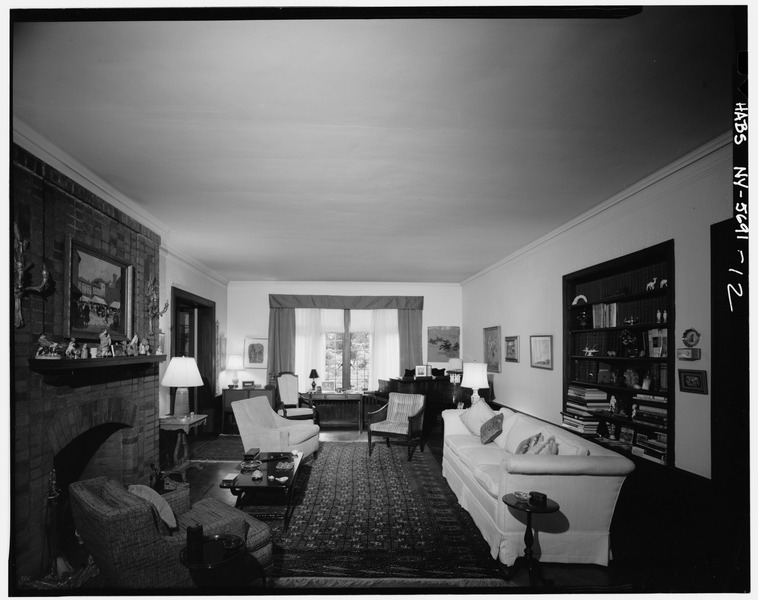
(182, 373)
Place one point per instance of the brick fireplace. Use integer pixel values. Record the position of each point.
(84, 422)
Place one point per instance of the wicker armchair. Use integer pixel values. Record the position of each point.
(401, 418)
(133, 547)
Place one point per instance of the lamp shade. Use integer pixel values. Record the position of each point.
(454, 364)
(314, 374)
(182, 372)
(234, 362)
(475, 376)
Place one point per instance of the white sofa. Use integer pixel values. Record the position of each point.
(584, 478)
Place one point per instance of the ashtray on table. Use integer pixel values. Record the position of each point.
(248, 466)
(522, 496)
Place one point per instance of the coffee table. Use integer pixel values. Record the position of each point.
(248, 490)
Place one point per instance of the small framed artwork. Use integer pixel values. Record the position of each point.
(423, 371)
(695, 382)
(511, 348)
(97, 294)
(492, 351)
(255, 355)
(541, 351)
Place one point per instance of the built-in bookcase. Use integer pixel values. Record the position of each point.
(619, 353)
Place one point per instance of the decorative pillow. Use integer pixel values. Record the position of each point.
(522, 428)
(526, 445)
(438, 372)
(158, 501)
(544, 446)
(476, 416)
(410, 373)
(491, 429)
(569, 448)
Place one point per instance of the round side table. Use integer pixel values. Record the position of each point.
(528, 561)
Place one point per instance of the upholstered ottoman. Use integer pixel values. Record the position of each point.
(257, 536)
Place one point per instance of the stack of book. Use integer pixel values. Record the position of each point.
(653, 449)
(587, 398)
(580, 424)
(656, 416)
(604, 315)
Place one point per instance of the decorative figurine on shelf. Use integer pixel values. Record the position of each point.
(665, 316)
(93, 352)
(73, 350)
(152, 303)
(651, 284)
(614, 405)
(132, 347)
(105, 344)
(634, 410)
(589, 351)
(20, 290)
(48, 348)
(630, 343)
(85, 351)
(664, 283)
(144, 346)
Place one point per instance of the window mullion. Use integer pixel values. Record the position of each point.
(346, 352)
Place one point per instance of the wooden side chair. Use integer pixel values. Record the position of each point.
(290, 404)
(402, 418)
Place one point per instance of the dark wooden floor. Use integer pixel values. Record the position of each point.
(204, 479)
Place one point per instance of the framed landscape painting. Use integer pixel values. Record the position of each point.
(97, 294)
(541, 350)
(255, 355)
(444, 343)
(492, 350)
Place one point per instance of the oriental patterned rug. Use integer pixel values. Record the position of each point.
(378, 521)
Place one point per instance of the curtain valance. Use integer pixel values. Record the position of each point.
(346, 302)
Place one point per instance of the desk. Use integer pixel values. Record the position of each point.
(182, 426)
(337, 409)
(528, 561)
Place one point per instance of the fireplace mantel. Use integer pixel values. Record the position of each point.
(66, 370)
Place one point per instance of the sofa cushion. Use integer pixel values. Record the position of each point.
(158, 501)
(475, 457)
(526, 445)
(476, 416)
(545, 445)
(491, 429)
(457, 442)
(508, 421)
(522, 428)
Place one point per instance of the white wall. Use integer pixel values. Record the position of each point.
(248, 308)
(183, 273)
(523, 293)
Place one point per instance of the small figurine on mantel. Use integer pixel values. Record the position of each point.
(72, 351)
(144, 346)
(85, 351)
(132, 347)
(47, 348)
(105, 344)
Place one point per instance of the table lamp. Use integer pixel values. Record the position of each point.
(475, 377)
(313, 376)
(182, 373)
(234, 364)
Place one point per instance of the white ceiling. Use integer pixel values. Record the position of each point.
(373, 149)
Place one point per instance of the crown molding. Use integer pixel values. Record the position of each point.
(37, 144)
(192, 263)
(658, 177)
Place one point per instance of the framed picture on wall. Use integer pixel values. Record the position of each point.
(492, 350)
(255, 355)
(541, 351)
(97, 294)
(695, 382)
(511, 348)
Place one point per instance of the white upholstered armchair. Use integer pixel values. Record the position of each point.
(260, 427)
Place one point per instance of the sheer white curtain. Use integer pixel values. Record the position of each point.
(309, 345)
(385, 346)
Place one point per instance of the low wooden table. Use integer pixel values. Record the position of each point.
(528, 561)
(182, 426)
(248, 490)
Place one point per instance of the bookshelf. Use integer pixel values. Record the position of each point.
(619, 375)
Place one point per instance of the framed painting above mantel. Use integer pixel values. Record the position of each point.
(98, 294)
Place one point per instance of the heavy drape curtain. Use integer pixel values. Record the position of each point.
(282, 325)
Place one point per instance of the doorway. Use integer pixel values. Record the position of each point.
(193, 331)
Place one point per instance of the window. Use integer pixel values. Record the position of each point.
(350, 349)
